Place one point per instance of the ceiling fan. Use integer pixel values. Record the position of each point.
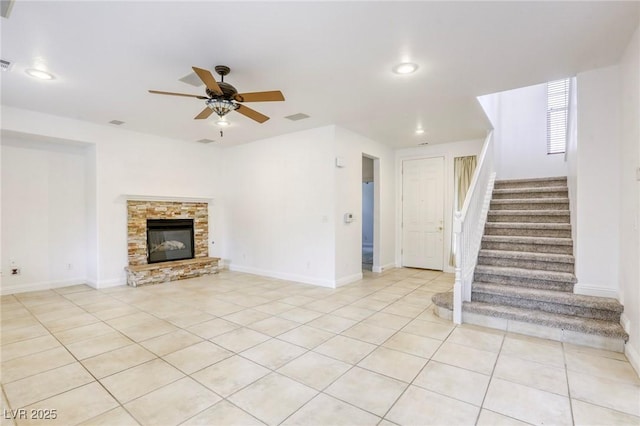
(223, 98)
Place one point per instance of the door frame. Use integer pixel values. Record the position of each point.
(448, 200)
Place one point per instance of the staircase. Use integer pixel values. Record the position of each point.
(524, 276)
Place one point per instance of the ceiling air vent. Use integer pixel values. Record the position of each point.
(116, 122)
(5, 65)
(205, 141)
(296, 117)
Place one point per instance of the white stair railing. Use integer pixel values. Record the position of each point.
(468, 226)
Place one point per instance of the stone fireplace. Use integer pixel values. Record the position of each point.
(167, 241)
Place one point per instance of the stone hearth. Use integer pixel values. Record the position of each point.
(139, 272)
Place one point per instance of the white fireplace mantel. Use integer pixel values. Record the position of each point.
(138, 197)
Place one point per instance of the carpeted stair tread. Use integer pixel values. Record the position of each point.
(542, 180)
(526, 193)
(529, 212)
(537, 216)
(529, 225)
(527, 255)
(559, 200)
(444, 300)
(566, 322)
(529, 240)
(558, 297)
(534, 274)
(531, 189)
(531, 183)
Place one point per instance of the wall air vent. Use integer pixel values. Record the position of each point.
(5, 65)
(192, 79)
(116, 122)
(205, 141)
(296, 117)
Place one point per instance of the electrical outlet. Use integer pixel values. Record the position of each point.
(69, 266)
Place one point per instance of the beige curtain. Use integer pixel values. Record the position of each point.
(463, 168)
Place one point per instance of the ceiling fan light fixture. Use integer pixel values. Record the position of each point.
(419, 131)
(39, 74)
(222, 122)
(405, 68)
(222, 106)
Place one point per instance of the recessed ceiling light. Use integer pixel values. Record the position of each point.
(42, 75)
(419, 131)
(405, 68)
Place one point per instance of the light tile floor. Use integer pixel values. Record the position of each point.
(241, 349)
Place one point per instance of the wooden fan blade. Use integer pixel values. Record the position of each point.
(274, 95)
(157, 92)
(204, 114)
(208, 80)
(252, 114)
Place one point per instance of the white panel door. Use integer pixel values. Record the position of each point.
(423, 213)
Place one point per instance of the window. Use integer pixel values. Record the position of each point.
(557, 113)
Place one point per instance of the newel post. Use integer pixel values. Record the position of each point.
(457, 286)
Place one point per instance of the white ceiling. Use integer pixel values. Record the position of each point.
(332, 61)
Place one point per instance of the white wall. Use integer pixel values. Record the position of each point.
(519, 118)
(125, 162)
(44, 222)
(286, 202)
(348, 192)
(91, 211)
(280, 206)
(630, 197)
(598, 176)
(449, 151)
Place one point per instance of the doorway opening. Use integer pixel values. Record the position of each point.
(369, 214)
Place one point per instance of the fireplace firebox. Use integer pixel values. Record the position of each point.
(169, 239)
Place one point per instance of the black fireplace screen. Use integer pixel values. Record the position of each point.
(169, 239)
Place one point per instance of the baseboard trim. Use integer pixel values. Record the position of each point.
(110, 283)
(633, 356)
(43, 285)
(283, 275)
(588, 290)
(348, 279)
(379, 269)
